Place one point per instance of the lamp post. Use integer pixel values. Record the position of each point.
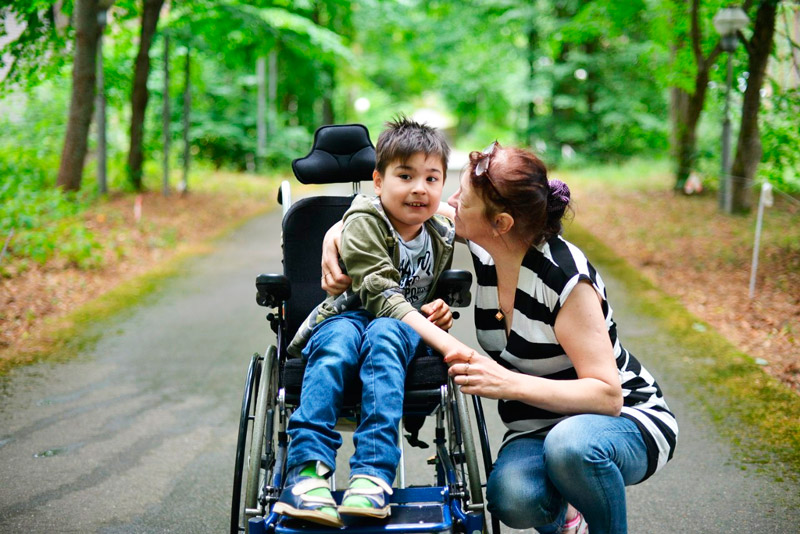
(728, 21)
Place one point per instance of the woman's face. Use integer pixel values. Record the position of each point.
(470, 220)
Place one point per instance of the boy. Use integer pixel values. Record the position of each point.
(394, 249)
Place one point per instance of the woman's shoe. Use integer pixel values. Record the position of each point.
(576, 525)
(296, 501)
(367, 497)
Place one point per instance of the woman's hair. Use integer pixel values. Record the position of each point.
(516, 182)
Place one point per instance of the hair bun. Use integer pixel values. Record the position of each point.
(557, 198)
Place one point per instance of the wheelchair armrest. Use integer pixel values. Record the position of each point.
(453, 288)
(272, 289)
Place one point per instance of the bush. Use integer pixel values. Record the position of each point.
(45, 222)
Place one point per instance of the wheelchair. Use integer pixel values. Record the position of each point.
(454, 503)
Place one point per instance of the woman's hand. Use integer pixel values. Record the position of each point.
(334, 281)
(438, 312)
(480, 375)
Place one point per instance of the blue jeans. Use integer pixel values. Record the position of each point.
(585, 460)
(343, 349)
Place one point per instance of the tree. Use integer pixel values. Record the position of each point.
(748, 145)
(84, 71)
(687, 100)
(139, 93)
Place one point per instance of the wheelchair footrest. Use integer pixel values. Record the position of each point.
(414, 510)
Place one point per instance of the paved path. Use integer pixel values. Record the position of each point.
(137, 434)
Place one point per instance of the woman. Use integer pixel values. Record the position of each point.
(584, 418)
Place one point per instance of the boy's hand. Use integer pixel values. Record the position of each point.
(334, 281)
(438, 312)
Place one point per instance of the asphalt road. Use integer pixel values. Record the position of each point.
(137, 433)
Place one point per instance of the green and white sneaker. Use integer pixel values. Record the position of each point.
(367, 497)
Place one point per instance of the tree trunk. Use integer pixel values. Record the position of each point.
(687, 107)
(81, 107)
(686, 118)
(532, 41)
(166, 119)
(139, 93)
(329, 85)
(748, 145)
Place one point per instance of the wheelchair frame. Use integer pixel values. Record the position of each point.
(454, 504)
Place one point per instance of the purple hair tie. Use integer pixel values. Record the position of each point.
(559, 195)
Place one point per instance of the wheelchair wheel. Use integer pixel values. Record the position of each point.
(470, 453)
(237, 511)
(261, 458)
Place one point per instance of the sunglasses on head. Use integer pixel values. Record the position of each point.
(482, 166)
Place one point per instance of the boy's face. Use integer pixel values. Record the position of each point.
(410, 192)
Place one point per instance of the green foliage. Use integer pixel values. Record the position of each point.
(780, 138)
(46, 223)
(35, 48)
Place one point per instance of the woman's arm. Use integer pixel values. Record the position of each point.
(581, 331)
(447, 210)
(334, 281)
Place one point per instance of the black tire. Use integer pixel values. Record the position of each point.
(237, 510)
(257, 468)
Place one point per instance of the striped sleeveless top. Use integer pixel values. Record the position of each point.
(548, 275)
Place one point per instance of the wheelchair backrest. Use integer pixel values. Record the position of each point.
(340, 154)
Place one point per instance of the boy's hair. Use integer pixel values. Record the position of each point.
(403, 138)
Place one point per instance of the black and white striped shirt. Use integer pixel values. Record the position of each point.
(548, 275)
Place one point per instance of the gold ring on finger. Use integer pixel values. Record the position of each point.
(466, 368)
(467, 381)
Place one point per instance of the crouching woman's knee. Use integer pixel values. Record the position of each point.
(518, 502)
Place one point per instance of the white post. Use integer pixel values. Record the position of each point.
(765, 199)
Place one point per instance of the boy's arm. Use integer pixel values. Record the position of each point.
(368, 259)
(438, 339)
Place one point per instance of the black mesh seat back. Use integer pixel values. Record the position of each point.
(342, 153)
(304, 226)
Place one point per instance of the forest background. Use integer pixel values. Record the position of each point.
(130, 127)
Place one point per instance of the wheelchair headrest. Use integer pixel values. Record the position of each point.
(342, 153)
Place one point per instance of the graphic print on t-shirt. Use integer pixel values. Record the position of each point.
(416, 269)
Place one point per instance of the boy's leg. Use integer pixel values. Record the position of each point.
(333, 354)
(388, 347)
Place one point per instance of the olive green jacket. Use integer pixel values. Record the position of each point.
(371, 257)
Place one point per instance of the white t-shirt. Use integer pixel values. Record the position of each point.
(416, 268)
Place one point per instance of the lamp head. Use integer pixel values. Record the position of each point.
(730, 20)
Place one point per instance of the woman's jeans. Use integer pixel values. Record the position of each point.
(585, 460)
(342, 350)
